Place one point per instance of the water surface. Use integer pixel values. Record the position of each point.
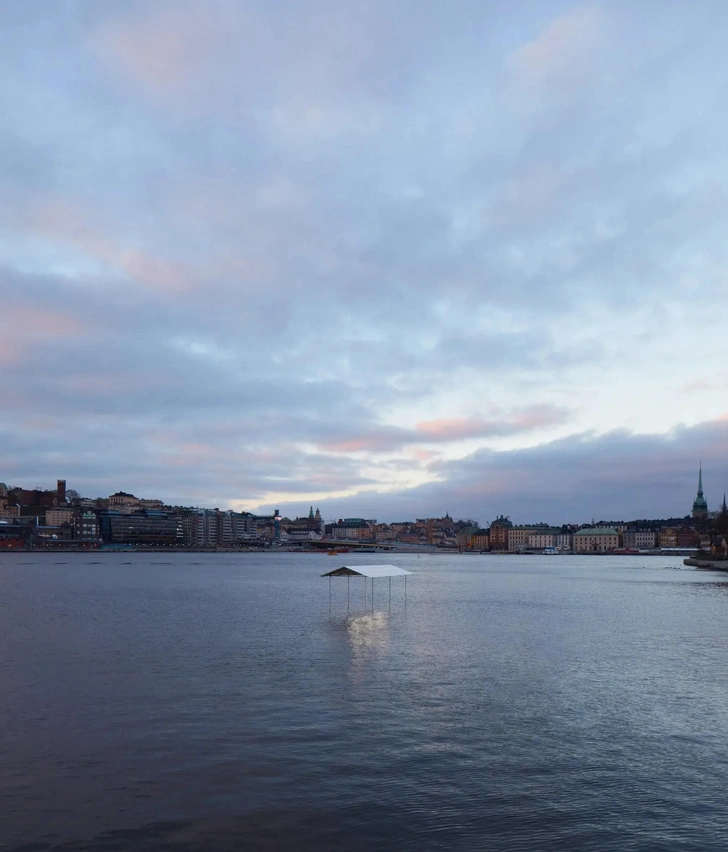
(217, 702)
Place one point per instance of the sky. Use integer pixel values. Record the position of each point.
(388, 259)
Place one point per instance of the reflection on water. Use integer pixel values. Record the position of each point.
(368, 632)
(367, 636)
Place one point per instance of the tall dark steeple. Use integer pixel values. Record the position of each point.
(700, 504)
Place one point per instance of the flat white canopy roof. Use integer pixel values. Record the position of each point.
(367, 571)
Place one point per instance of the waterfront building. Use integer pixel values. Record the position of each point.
(224, 528)
(542, 539)
(300, 535)
(499, 533)
(12, 535)
(161, 529)
(194, 528)
(565, 539)
(687, 537)
(244, 526)
(213, 528)
(349, 529)
(384, 532)
(480, 540)
(43, 536)
(518, 536)
(85, 526)
(465, 537)
(700, 504)
(667, 537)
(639, 539)
(595, 540)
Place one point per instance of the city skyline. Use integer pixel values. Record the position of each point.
(700, 508)
(468, 257)
(62, 518)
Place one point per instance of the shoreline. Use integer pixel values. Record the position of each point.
(691, 560)
(707, 564)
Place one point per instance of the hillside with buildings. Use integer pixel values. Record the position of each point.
(60, 518)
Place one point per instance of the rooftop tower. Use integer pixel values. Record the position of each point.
(700, 504)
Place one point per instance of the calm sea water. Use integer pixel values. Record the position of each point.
(185, 702)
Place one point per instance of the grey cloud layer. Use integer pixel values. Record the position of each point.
(236, 235)
(616, 476)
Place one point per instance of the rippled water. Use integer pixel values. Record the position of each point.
(215, 702)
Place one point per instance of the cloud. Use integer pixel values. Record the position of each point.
(251, 250)
(379, 438)
(615, 476)
(454, 429)
(23, 326)
(56, 220)
(563, 51)
(166, 50)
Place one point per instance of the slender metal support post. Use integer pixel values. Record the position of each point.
(390, 594)
(329, 595)
(372, 594)
(405, 591)
(347, 592)
(365, 593)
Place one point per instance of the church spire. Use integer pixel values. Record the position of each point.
(700, 504)
(310, 512)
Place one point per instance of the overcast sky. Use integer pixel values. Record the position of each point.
(391, 259)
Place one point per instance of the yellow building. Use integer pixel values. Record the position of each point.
(480, 540)
(56, 517)
(667, 537)
(595, 540)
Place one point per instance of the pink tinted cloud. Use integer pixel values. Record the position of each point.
(462, 428)
(164, 50)
(386, 439)
(422, 455)
(8, 354)
(562, 49)
(537, 417)
(22, 325)
(453, 429)
(66, 221)
(100, 383)
(24, 321)
(377, 441)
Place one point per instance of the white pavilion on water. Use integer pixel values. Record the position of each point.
(373, 572)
